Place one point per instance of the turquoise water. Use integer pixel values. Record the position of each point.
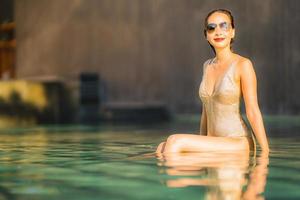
(115, 162)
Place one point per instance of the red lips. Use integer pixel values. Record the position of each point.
(219, 39)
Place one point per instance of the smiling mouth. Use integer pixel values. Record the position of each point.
(219, 39)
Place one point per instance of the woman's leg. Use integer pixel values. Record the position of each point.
(199, 143)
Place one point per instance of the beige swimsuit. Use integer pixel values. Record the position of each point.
(223, 106)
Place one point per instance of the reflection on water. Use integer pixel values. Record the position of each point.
(230, 175)
(105, 164)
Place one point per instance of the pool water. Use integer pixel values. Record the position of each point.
(116, 162)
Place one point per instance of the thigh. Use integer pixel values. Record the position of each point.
(190, 142)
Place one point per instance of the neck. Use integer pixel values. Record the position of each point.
(222, 55)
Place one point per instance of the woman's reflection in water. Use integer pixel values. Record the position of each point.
(229, 175)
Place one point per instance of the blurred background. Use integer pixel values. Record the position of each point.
(89, 88)
(69, 61)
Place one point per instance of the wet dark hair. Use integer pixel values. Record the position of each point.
(226, 12)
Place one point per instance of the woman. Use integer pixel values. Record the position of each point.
(226, 78)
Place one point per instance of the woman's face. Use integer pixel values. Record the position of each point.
(219, 31)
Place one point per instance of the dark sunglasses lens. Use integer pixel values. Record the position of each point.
(211, 27)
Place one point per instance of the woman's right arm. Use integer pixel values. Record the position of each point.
(203, 122)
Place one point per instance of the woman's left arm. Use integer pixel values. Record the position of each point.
(249, 90)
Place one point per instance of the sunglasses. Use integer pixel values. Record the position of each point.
(224, 26)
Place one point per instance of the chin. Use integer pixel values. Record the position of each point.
(220, 46)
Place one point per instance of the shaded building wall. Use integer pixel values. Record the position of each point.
(153, 50)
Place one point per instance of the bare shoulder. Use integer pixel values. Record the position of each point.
(244, 65)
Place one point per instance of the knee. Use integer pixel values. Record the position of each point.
(174, 143)
(175, 139)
